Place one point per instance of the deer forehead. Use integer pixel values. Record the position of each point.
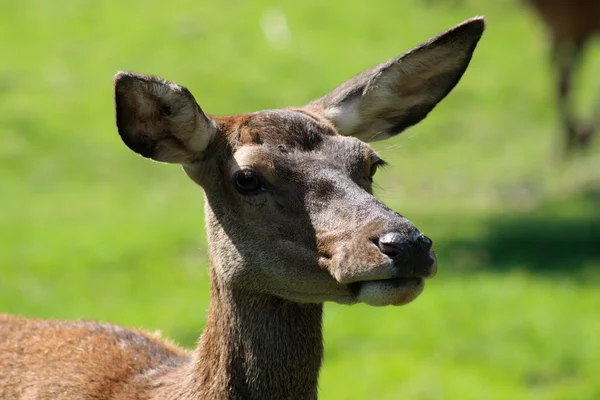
(292, 129)
(270, 139)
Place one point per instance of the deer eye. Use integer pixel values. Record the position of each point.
(374, 167)
(248, 182)
(373, 171)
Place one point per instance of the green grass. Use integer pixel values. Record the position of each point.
(88, 230)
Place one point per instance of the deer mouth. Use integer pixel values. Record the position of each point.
(395, 290)
(387, 292)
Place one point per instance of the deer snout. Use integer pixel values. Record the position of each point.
(411, 256)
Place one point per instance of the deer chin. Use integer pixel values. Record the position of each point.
(388, 292)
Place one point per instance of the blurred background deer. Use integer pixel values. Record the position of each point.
(570, 25)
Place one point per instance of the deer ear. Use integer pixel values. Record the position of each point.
(383, 101)
(160, 119)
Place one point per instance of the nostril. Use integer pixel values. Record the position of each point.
(390, 251)
(391, 244)
(424, 243)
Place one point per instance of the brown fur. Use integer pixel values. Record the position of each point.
(570, 25)
(51, 359)
(291, 221)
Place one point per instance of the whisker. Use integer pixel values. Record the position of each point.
(391, 147)
(374, 135)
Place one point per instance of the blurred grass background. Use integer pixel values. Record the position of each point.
(89, 230)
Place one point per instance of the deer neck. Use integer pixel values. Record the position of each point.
(259, 347)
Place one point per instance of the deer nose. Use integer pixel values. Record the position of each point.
(393, 244)
(409, 256)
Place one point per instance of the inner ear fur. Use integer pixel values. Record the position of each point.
(159, 119)
(388, 98)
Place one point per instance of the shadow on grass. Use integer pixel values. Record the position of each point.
(562, 237)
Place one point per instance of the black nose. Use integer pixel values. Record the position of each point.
(408, 255)
(393, 244)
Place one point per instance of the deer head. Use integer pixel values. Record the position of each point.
(289, 205)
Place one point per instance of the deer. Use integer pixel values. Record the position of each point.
(570, 25)
(291, 223)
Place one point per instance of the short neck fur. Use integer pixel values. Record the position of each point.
(259, 347)
(255, 346)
